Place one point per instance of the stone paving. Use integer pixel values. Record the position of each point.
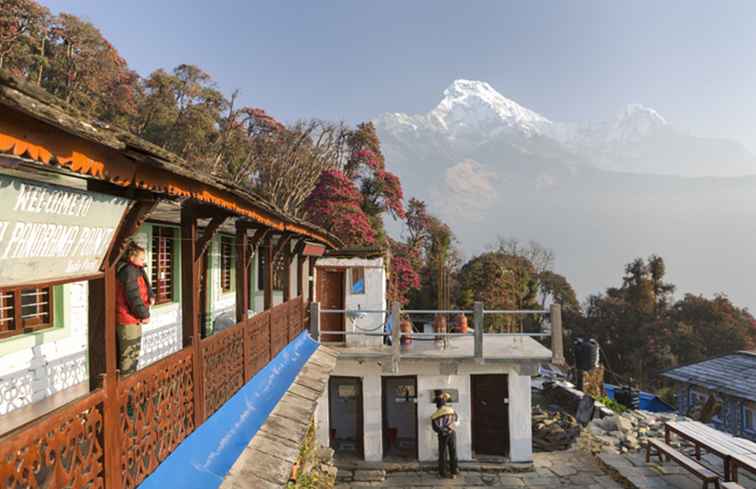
(563, 470)
(638, 474)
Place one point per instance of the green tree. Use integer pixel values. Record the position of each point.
(500, 281)
(86, 71)
(705, 328)
(23, 31)
(556, 289)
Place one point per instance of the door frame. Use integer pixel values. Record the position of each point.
(360, 412)
(473, 417)
(320, 279)
(384, 421)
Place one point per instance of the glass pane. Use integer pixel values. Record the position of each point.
(358, 280)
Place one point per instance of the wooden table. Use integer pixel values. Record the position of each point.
(734, 452)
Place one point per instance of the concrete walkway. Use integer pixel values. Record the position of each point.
(563, 470)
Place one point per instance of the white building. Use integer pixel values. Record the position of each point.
(379, 409)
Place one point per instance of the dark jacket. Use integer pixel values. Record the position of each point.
(133, 294)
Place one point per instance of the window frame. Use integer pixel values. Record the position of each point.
(699, 393)
(166, 247)
(352, 282)
(226, 244)
(278, 267)
(749, 410)
(12, 299)
(279, 271)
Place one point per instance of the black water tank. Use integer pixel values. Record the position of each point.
(627, 396)
(586, 354)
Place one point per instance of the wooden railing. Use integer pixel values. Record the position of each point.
(155, 406)
(64, 449)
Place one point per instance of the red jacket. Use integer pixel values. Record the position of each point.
(133, 293)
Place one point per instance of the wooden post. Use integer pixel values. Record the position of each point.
(242, 272)
(478, 325)
(557, 336)
(268, 274)
(300, 276)
(311, 279)
(315, 320)
(190, 310)
(103, 364)
(287, 274)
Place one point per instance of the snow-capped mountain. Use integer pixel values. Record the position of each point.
(638, 139)
(599, 194)
(470, 108)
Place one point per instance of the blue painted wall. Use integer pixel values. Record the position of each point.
(204, 458)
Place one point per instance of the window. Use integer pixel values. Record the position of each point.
(261, 252)
(279, 274)
(358, 280)
(162, 263)
(700, 398)
(227, 246)
(25, 311)
(749, 418)
(278, 271)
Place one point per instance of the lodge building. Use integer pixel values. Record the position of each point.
(262, 324)
(232, 275)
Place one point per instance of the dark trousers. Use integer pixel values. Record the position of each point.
(447, 454)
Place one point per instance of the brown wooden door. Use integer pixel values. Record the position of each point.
(331, 296)
(490, 414)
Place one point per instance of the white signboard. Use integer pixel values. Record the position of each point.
(49, 232)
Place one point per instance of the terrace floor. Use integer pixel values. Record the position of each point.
(564, 470)
(458, 347)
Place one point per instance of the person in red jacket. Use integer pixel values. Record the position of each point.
(134, 297)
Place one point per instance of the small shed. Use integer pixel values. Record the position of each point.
(351, 283)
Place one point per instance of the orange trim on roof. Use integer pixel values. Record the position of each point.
(23, 136)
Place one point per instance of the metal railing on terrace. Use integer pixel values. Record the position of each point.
(405, 343)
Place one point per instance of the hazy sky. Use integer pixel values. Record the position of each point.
(693, 61)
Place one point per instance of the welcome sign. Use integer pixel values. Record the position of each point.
(49, 232)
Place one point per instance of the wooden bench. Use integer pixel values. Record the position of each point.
(706, 475)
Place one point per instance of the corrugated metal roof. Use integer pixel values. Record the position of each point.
(733, 374)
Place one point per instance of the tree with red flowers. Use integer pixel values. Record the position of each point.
(335, 205)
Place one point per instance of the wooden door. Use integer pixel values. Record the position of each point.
(331, 296)
(345, 415)
(399, 397)
(490, 414)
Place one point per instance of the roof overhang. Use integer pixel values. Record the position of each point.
(48, 136)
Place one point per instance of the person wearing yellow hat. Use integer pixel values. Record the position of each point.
(444, 422)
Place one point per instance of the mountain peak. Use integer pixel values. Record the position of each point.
(634, 122)
(636, 111)
(472, 105)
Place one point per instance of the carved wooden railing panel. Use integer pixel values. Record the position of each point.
(222, 366)
(279, 328)
(156, 414)
(257, 330)
(63, 449)
(155, 409)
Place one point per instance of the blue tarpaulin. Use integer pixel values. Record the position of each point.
(648, 401)
(204, 458)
